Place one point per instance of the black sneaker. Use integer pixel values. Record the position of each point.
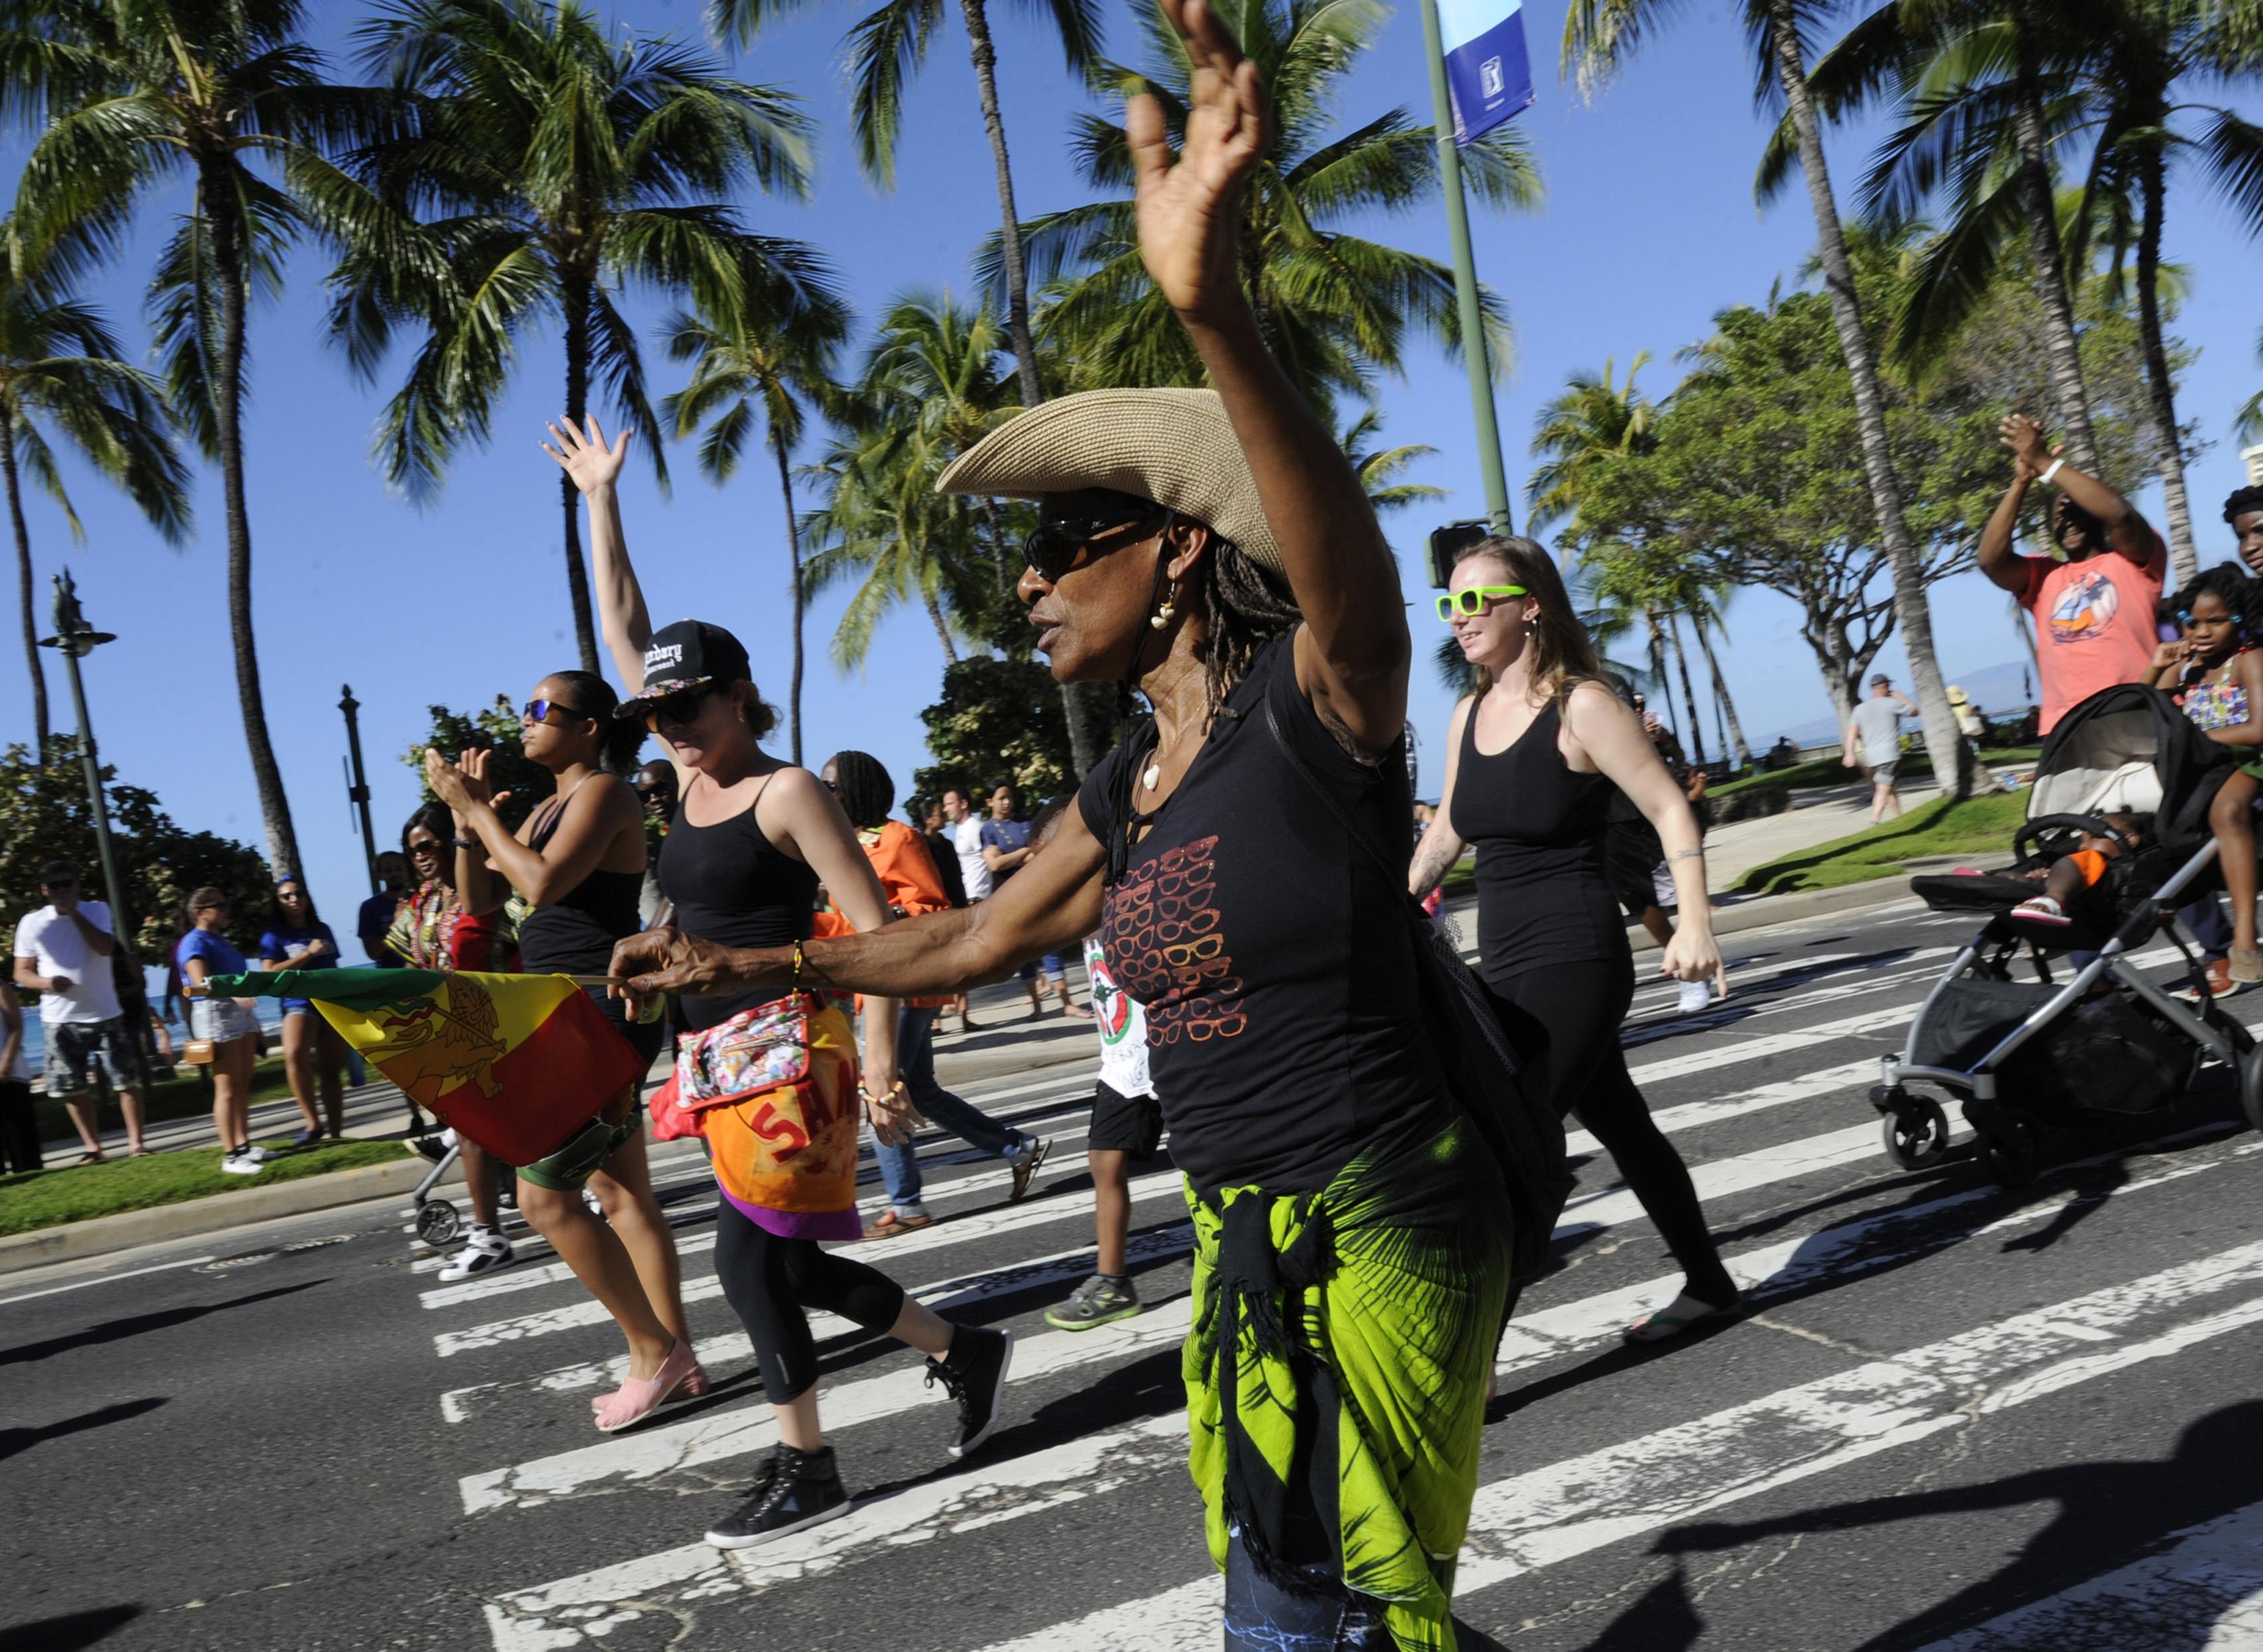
(793, 1490)
(974, 1374)
(1097, 1301)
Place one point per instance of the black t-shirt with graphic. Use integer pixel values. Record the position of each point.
(1270, 952)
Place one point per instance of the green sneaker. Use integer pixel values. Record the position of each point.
(1094, 1302)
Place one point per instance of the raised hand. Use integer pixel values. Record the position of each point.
(1190, 210)
(585, 456)
(2024, 438)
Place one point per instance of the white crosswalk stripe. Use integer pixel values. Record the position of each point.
(1763, 1095)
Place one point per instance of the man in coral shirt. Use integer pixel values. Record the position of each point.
(2093, 612)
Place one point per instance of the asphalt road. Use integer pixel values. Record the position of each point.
(1950, 1415)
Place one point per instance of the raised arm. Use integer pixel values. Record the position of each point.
(596, 816)
(1997, 561)
(2125, 530)
(595, 469)
(1442, 846)
(1614, 741)
(1353, 653)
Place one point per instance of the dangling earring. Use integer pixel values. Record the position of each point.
(1162, 615)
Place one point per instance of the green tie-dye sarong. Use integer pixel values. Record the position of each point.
(1342, 1436)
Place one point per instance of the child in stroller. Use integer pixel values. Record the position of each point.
(2215, 674)
(2082, 885)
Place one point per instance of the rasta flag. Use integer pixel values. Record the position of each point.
(516, 1063)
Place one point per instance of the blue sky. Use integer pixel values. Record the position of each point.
(1650, 227)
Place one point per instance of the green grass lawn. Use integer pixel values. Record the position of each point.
(1831, 772)
(47, 1199)
(1978, 825)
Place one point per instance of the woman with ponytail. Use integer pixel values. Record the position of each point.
(577, 864)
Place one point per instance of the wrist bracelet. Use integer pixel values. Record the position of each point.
(2053, 471)
(468, 843)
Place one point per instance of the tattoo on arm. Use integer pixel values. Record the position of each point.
(1432, 861)
(1687, 854)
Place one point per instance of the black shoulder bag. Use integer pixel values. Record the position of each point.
(1523, 1132)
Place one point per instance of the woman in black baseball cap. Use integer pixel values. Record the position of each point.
(753, 837)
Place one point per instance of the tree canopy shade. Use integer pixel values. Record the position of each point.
(136, 94)
(545, 164)
(1336, 308)
(64, 381)
(762, 366)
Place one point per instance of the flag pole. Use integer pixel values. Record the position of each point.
(1474, 356)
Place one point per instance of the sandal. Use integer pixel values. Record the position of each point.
(890, 1225)
(2246, 966)
(96, 1157)
(1663, 1326)
(2043, 910)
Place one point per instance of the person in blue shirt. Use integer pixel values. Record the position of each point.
(312, 1052)
(227, 1025)
(1006, 849)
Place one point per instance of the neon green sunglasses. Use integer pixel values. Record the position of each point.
(1471, 602)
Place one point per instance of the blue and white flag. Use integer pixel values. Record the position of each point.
(1487, 72)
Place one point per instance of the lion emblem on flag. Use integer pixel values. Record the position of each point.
(431, 1049)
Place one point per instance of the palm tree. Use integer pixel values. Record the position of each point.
(1379, 468)
(1594, 421)
(136, 93)
(884, 49)
(61, 370)
(563, 165)
(1601, 34)
(1335, 307)
(762, 365)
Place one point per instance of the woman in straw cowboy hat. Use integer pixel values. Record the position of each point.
(1215, 548)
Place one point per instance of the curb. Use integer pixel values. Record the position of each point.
(214, 1214)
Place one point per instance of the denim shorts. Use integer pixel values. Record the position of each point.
(221, 1020)
(75, 1048)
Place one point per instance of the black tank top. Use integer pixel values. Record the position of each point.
(1544, 894)
(575, 934)
(732, 885)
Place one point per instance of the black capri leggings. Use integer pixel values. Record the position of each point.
(770, 1280)
(1563, 1022)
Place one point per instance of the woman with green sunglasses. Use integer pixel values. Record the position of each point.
(1532, 763)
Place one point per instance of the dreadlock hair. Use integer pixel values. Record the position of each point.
(1243, 605)
(1562, 655)
(2241, 502)
(864, 786)
(620, 739)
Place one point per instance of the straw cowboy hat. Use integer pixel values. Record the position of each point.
(1174, 446)
(1955, 695)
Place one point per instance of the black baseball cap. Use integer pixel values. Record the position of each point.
(59, 872)
(1881, 680)
(689, 654)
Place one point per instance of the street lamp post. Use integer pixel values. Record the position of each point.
(75, 638)
(358, 788)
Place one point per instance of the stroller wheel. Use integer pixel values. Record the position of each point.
(1916, 1134)
(2013, 1151)
(437, 1222)
(2250, 1085)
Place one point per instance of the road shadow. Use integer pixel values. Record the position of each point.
(2108, 1512)
(13, 1440)
(112, 1331)
(70, 1631)
(1664, 1619)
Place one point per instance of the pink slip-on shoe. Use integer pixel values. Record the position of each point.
(638, 1398)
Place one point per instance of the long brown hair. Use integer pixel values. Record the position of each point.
(1562, 656)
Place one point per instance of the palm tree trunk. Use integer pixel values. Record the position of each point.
(1018, 286)
(1911, 612)
(576, 304)
(219, 198)
(24, 592)
(1742, 747)
(1689, 694)
(942, 630)
(2041, 209)
(2168, 457)
(793, 551)
(1658, 663)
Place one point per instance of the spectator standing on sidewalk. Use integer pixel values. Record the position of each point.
(313, 1053)
(910, 883)
(63, 954)
(941, 848)
(1874, 742)
(19, 1127)
(1127, 1124)
(373, 921)
(963, 825)
(1006, 846)
(227, 1025)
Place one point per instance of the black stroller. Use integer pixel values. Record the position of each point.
(2106, 1047)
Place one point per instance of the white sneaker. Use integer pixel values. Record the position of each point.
(258, 1155)
(1695, 994)
(239, 1164)
(484, 1251)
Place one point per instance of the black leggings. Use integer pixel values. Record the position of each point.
(1563, 1022)
(769, 1281)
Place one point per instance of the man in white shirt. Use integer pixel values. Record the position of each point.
(967, 833)
(63, 953)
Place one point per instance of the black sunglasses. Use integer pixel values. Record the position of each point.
(536, 711)
(680, 707)
(1064, 545)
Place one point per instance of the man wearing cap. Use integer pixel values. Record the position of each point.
(63, 953)
(1874, 742)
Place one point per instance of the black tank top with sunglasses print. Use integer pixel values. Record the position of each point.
(1270, 952)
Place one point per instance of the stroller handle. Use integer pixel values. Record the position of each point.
(2096, 825)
